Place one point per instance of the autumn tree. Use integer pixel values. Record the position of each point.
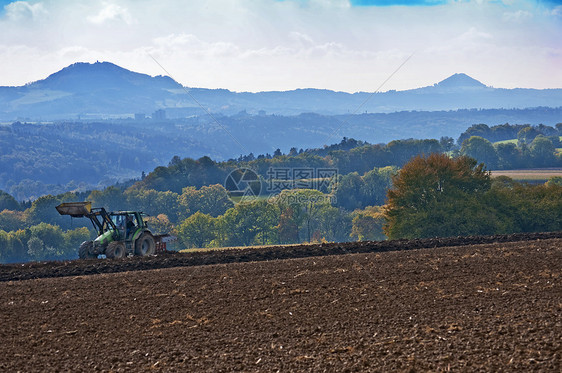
(306, 206)
(367, 224)
(438, 196)
(159, 224)
(288, 229)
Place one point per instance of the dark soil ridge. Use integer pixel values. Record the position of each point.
(35, 270)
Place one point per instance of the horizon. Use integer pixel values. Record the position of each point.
(288, 90)
(185, 86)
(280, 45)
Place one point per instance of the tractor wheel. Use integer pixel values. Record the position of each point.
(84, 250)
(115, 249)
(145, 245)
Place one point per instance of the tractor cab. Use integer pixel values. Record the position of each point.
(127, 223)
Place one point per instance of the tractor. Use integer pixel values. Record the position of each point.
(120, 233)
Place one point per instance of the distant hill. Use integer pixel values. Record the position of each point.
(105, 90)
(459, 81)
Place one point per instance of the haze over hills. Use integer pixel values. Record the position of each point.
(105, 90)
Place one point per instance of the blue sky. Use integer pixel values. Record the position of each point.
(242, 45)
(397, 2)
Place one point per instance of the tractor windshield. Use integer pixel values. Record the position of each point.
(125, 222)
(119, 220)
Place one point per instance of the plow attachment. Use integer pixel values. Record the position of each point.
(75, 209)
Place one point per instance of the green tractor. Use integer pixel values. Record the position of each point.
(120, 233)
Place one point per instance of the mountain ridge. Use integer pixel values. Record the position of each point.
(103, 90)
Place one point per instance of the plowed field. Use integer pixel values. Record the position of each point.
(480, 307)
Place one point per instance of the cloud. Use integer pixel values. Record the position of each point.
(112, 13)
(276, 45)
(301, 38)
(22, 10)
(192, 45)
(557, 11)
(474, 35)
(517, 16)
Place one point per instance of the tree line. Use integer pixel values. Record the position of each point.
(526, 146)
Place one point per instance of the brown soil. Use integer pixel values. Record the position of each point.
(33, 270)
(494, 306)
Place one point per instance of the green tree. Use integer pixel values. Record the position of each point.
(7, 202)
(111, 198)
(332, 224)
(349, 191)
(72, 240)
(35, 248)
(509, 156)
(212, 200)
(12, 220)
(480, 149)
(267, 221)
(527, 134)
(555, 180)
(16, 251)
(4, 241)
(447, 143)
(51, 235)
(43, 210)
(542, 151)
(376, 184)
(534, 208)
(197, 231)
(152, 202)
(248, 223)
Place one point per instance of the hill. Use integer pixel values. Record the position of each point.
(105, 90)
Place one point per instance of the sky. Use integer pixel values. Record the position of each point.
(266, 45)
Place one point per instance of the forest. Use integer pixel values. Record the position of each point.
(404, 189)
(55, 157)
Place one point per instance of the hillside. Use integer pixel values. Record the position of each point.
(105, 90)
(51, 158)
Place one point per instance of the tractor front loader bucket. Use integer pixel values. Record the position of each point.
(75, 209)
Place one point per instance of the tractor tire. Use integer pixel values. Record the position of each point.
(145, 245)
(115, 250)
(84, 250)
